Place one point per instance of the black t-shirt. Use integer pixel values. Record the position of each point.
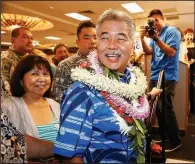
(191, 55)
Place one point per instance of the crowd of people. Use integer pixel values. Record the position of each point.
(86, 42)
(90, 107)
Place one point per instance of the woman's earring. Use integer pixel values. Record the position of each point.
(21, 83)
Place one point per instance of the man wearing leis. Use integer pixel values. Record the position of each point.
(103, 112)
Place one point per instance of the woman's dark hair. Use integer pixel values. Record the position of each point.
(26, 64)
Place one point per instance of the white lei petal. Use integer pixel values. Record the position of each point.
(124, 128)
(100, 82)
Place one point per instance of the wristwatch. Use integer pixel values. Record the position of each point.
(155, 39)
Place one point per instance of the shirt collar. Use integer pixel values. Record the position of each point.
(82, 56)
(163, 29)
(127, 76)
(15, 52)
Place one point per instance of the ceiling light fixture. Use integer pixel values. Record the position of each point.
(77, 16)
(11, 21)
(52, 38)
(35, 43)
(5, 43)
(137, 34)
(132, 7)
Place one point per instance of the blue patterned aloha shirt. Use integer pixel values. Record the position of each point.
(89, 129)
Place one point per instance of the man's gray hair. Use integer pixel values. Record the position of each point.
(117, 15)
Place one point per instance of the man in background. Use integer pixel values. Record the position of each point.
(164, 48)
(60, 53)
(21, 39)
(86, 42)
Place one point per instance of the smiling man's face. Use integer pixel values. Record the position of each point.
(114, 45)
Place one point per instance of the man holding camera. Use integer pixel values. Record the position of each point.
(164, 48)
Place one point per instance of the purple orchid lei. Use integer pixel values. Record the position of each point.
(137, 110)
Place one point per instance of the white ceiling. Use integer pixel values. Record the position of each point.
(65, 27)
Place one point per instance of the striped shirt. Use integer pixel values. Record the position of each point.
(62, 79)
(48, 132)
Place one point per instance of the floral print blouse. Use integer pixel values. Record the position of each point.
(13, 146)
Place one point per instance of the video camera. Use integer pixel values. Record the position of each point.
(150, 29)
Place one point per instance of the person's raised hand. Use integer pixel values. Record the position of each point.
(155, 92)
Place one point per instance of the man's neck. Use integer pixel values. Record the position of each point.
(83, 53)
(57, 59)
(160, 30)
(18, 51)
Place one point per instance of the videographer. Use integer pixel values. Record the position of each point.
(164, 48)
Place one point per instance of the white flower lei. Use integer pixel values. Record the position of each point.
(136, 107)
(131, 91)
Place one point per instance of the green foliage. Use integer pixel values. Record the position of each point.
(112, 74)
(138, 130)
(132, 131)
(137, 136)
(140, 158)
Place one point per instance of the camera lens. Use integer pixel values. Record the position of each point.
(151, 28)
(151, 32)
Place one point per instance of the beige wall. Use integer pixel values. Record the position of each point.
(181, 99)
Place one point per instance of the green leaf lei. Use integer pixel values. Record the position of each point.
(138, 131)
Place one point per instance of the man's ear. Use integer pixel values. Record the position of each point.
(77, 42)
(162, 18)
(12, 40)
